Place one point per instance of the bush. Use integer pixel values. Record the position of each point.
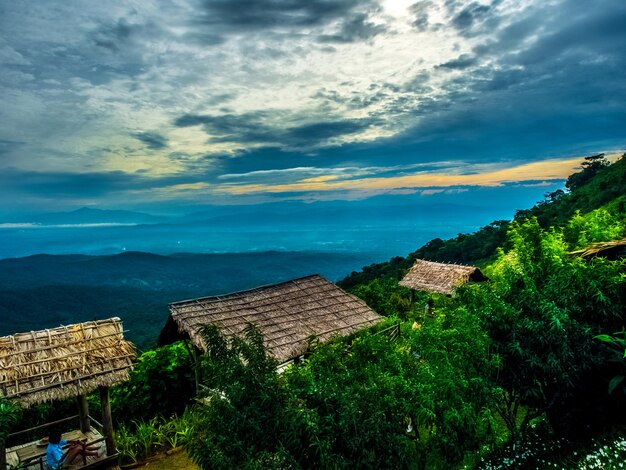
(162, 383)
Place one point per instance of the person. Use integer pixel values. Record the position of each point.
(56, 458)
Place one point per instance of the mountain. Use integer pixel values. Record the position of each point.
(87, 216)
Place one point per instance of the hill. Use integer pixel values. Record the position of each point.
(598, 184)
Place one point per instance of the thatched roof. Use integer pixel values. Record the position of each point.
(439, 277)
(287, 314)
(612, 250)
(64, 362)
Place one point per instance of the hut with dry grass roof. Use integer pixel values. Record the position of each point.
(440, 278)
(288, 314)
(612, 250)
(67, 362)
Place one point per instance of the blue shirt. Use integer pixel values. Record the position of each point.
(54, 455)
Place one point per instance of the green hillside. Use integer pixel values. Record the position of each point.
(597, 185)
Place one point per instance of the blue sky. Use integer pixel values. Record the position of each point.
(168, 106)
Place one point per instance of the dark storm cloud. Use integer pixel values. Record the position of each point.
(474, 17)
(267, 14)
(152, 140)
(357, 28)
(462, 62)
(421, 12)
(469, 18)
(321, 131)
(113, 36)
(17, 183)
(253, 128)
(68, 184)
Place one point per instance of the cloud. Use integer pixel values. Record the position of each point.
(462, 62)
(238, 87)
(153, 140)
(266, 14)
(543, 170)
(268, 129)
(356, 28)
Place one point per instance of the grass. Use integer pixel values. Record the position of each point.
(176, 461)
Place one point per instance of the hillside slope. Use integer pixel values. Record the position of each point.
(602, 185)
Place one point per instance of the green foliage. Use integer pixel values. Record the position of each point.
(596, 226)
(10, 415)
(141, 439)
(245, 409)
(386, 297)
(617, 347)
(162, 383)
(541, 311)
(422, 399)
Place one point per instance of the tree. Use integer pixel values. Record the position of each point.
(541, 311)
(245, 409)
(590, 168)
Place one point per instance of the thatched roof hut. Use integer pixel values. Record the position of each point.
(287, 314)
(611, 250)
(64, 362)
(440, 278)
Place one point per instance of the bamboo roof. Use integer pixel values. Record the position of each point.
(611, 249)
(440, 278)
(287, 314)
(64, 362)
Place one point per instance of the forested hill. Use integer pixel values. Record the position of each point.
(598, 184)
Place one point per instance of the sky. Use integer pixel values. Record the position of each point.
(168, 106)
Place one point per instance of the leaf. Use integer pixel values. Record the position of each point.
(615, 381)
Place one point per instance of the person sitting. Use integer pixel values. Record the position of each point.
(56, 458)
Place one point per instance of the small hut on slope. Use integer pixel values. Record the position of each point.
(62, 363)
(287, 314)
(440, 278)
(612, 250)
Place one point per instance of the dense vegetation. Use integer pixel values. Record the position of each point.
(522, 371)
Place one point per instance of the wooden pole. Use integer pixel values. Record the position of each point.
(3, 455)
(194, 359)
(196, 370)
(107, 420)
(83, 414)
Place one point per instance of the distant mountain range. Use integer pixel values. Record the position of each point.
(85, 215)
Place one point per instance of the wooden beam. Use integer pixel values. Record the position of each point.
(83, 414)
(107, 420)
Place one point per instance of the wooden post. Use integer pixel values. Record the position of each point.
(107, 420)
(83, 414)
(3, 455)
(196, 369)
(194, 359)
